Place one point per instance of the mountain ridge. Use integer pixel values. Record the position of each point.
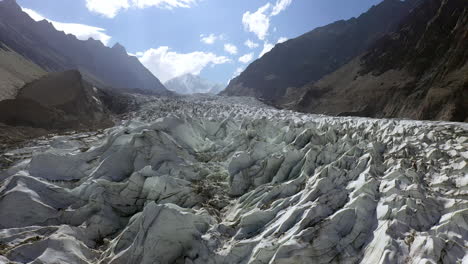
(420, 72)
(56, 51)
(192, 84)
(311, 56)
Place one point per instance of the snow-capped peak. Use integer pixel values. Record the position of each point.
(192, 84)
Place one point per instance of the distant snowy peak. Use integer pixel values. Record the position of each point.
(192, 84)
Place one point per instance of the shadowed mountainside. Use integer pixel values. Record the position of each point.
(15, 72)
(56, 101)
(296, 62)
(418, 72)
(55, 51)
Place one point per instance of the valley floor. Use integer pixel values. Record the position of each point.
(211, 179)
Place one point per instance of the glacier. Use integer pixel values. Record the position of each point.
(208, 179)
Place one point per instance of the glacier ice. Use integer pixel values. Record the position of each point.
(209, 179)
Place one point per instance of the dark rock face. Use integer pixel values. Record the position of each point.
(55, 51)
(29, 113)
(57, 101)
(313, 55)
(418, 72)
(434, 35)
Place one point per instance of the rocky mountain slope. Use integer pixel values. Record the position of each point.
(15, 72)
(230, 180)
(55, 51)
(296, 62)
(192, 84)
(56, 101)
(418, 72)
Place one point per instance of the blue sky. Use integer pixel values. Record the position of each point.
(205, 37)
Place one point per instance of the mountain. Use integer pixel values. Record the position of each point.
(60, 100)
(191, 84)
(15, 72)
(420, 71)
(54, 51)
(296, 62)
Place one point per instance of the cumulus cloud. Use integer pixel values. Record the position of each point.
(166, 64)
(211, 38)
(230, 48)
(110, 8)
(282, 39)
(280, 6)
(246, 58)
(251, 44)
(266, 48)
(168, 4)
(236, 73)
(259, 21)
(81, 31)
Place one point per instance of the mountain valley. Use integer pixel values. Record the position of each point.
(347, 144)
(413, 64)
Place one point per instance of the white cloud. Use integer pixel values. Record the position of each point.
(168, 4)
(282, 39)
(246, 58)
(266, 48)
(230, 48)
(280, 6)
(166, 64)
(33, 14)
(251, 44)
(110, 8)
(81, 31)
(211, 38)
(258, 22)
(236, 73)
